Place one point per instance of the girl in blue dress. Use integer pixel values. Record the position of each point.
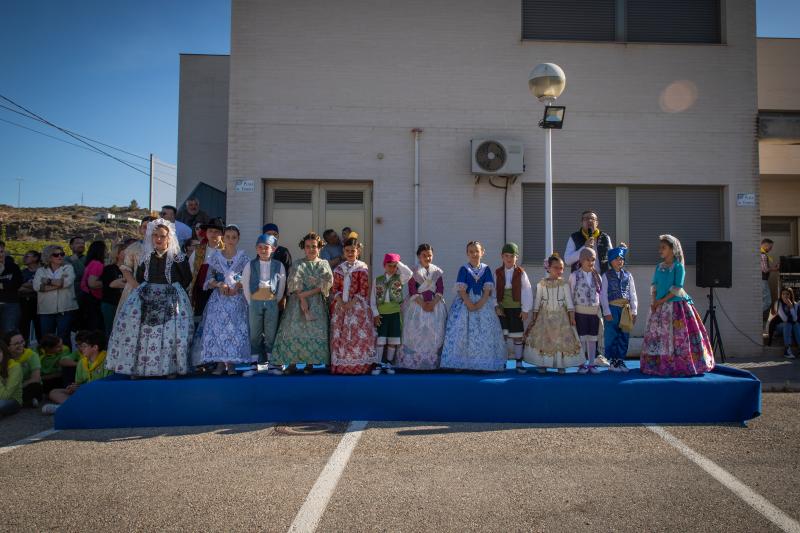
(473, 339)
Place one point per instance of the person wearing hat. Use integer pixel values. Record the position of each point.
(387, 301)
(619, 302)
(281, 253)
(514, 301)
(264, 284)
(199, 263)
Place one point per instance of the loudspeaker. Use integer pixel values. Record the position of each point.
(714, 264)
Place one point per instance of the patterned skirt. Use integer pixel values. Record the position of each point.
(552, 342)
(352, 339)
(474, 339)
(152, 332)
(224, 331)
(423, 336)
(300, 340)
(676, 342)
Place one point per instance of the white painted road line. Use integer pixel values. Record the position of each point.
(755, 500)
(310, 514)
(27, 440)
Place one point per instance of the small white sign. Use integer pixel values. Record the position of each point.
(746, 199)
(245, 186)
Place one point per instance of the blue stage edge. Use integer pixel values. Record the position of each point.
(723, 396)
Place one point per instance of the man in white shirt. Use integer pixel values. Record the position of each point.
(589, 236)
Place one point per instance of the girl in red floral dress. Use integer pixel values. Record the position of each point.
(352, 330)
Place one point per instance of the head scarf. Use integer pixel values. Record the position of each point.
(173, 248)
(677, 249)
(619, 251)
(391, 258)
(266, 238)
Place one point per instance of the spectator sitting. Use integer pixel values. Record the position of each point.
(91, 367)
(28, 360)
(27, 295)
(51, 351)
(10, 382)
(789, 326)
(191, 214)
(182, 231)
(10, 281)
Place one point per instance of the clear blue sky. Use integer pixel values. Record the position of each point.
(109, 70)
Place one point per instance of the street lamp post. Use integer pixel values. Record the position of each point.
(546, 82)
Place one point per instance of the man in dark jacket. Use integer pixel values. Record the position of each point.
(281, 253)
(589, 236)
(10, 280)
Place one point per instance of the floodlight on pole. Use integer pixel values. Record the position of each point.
(546, 82)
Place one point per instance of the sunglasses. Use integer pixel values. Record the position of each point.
(58, 254)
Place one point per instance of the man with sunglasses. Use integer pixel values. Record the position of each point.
(10, 280)
(589, 236)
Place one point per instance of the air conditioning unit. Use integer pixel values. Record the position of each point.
(495, 157)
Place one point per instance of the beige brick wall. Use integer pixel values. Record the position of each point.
(317, 90)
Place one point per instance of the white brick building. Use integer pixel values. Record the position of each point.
(323, 96)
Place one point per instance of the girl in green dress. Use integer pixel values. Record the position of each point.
(303, 332)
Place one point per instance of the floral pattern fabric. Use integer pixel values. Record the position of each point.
(552, 342)
(152, 332)
(224, 331)
(676, 342)
(352, 331)
(301, 338)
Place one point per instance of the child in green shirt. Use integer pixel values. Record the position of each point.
(51, 352)
(10, 382)
(28, 360)
(91, 367)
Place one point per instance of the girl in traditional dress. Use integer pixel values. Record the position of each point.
(352, 330)
(153, 328)
(223, 336)
(424, 316)
(551, 340)
(618, 298)
(303, 332)
(676, 342)
(585, 285)
(387, 303)
(473, 339)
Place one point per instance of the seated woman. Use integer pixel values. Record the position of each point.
(153, 328)
(90, 367)
(28, 360)
(10, 383)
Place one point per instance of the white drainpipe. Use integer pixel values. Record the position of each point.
(417, 132)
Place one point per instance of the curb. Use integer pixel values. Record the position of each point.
(786, 386)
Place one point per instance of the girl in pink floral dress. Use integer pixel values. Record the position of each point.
(352, 330)
(676, 342)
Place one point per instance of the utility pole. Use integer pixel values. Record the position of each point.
(19, 192)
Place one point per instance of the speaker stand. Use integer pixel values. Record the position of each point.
(713, 327)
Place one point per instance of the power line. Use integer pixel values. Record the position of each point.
(82, 147)
(73, 135)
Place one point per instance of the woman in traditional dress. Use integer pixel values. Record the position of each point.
(474, 339)
(223, 336)
(303, 331)
(154, 326)
(352, 329)
(551, 340)
(424, 316)
(676, 342)
(131, 260)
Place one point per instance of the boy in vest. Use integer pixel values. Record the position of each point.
(264, 282)
(514, 301)
(619, 303)
(387, 301)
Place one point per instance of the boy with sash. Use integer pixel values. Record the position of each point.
(264, 283)
(387, 302)
(91, 367)
(619, 303)
(514, 301)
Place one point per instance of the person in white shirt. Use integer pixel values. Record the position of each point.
(589, 236)
(264, 283)
(514, 301)
(182, 231)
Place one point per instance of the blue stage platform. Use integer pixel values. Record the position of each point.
(725, 395)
